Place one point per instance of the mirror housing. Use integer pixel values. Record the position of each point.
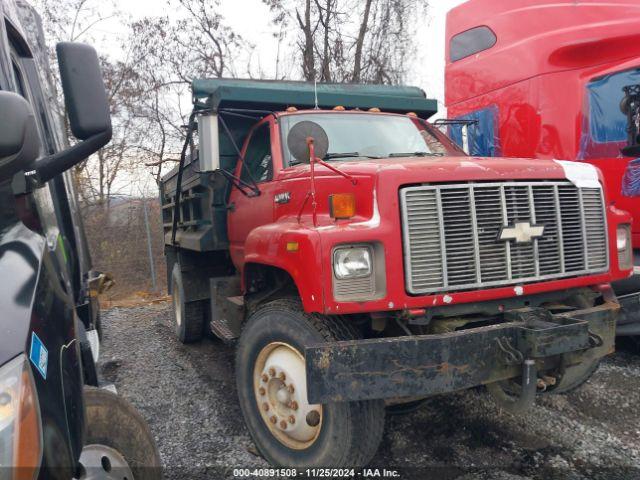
(19, 140)
(87, 107)
(297, 140)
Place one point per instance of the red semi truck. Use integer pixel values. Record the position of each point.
(554, 80)
(360, 259)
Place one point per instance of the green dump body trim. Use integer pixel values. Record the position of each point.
(278, 95)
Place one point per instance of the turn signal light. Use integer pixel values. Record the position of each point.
(342, 205)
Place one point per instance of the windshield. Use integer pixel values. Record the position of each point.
(370, 135)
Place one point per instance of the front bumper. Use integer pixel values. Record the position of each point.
(628, 293)
(425, 365)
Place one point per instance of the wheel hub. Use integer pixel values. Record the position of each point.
(280, 386)
(100, 462)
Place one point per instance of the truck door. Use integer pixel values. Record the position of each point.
(249, 212)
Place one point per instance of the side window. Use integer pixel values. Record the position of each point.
(258, 165)
(472, 41)
(19, 78)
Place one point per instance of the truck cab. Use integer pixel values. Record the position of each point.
(360, 259)
(546, 80)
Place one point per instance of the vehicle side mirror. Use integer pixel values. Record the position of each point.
(19, 141)
(87, 106)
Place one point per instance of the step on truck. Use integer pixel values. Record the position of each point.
(361, 260)
(573, 93)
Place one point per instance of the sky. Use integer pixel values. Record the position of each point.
(426, 71)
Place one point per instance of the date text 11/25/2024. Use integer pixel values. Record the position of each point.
(315, 473)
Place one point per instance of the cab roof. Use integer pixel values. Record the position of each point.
(535, 37)
(275, 95)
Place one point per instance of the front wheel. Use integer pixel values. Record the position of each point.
(118, 442)
(272, 389)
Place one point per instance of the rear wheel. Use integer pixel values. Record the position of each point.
(271, 380)
(118, 442)
(188, 317)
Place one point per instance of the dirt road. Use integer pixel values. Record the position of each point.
(188, 395)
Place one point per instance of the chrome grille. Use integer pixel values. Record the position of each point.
(451, 234)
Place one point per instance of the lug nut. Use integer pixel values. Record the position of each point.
(292, 419)
(272, 372)
(273, 419)
(262, 391)
(291, 389)
(313, 418)
(293, 405)
(282, 376)
(265, 406)
(265, 378)
(283, 424)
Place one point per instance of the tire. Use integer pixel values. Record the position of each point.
(115, 430)
(582, 376)
(188, 317)
(347, 433)
(405, 408)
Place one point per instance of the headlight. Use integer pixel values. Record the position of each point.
(20, 427)
(623, 242)
(352, 262)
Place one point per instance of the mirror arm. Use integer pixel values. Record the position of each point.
(50, 166)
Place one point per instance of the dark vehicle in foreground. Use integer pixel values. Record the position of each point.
(54, 420)
(573, 94)
(361, 259)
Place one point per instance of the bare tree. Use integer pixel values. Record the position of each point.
(350, 40)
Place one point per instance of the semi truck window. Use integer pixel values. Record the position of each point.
(258, 164)
(482, 137)
(472, 41)
(604, 128)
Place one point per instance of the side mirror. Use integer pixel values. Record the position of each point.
(19, 141)
(87, 107)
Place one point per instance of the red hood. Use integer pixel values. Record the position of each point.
(442, 169)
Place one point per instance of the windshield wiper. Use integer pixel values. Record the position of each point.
(415, 154)
(330, 156)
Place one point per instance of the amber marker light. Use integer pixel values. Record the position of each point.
(342, 205)
(20, 424)
(292, 246)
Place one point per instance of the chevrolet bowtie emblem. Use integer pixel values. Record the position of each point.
(521, 232)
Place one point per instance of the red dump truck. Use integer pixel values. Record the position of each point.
(361, 259)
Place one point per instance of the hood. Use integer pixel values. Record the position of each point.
(410, 170)
(378, 180)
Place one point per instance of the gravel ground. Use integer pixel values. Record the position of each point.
(187, 393)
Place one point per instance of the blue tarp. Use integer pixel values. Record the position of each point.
(631, 179)
(482, 136)
(604, 131)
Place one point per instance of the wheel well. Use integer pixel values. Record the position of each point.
(266, 282)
